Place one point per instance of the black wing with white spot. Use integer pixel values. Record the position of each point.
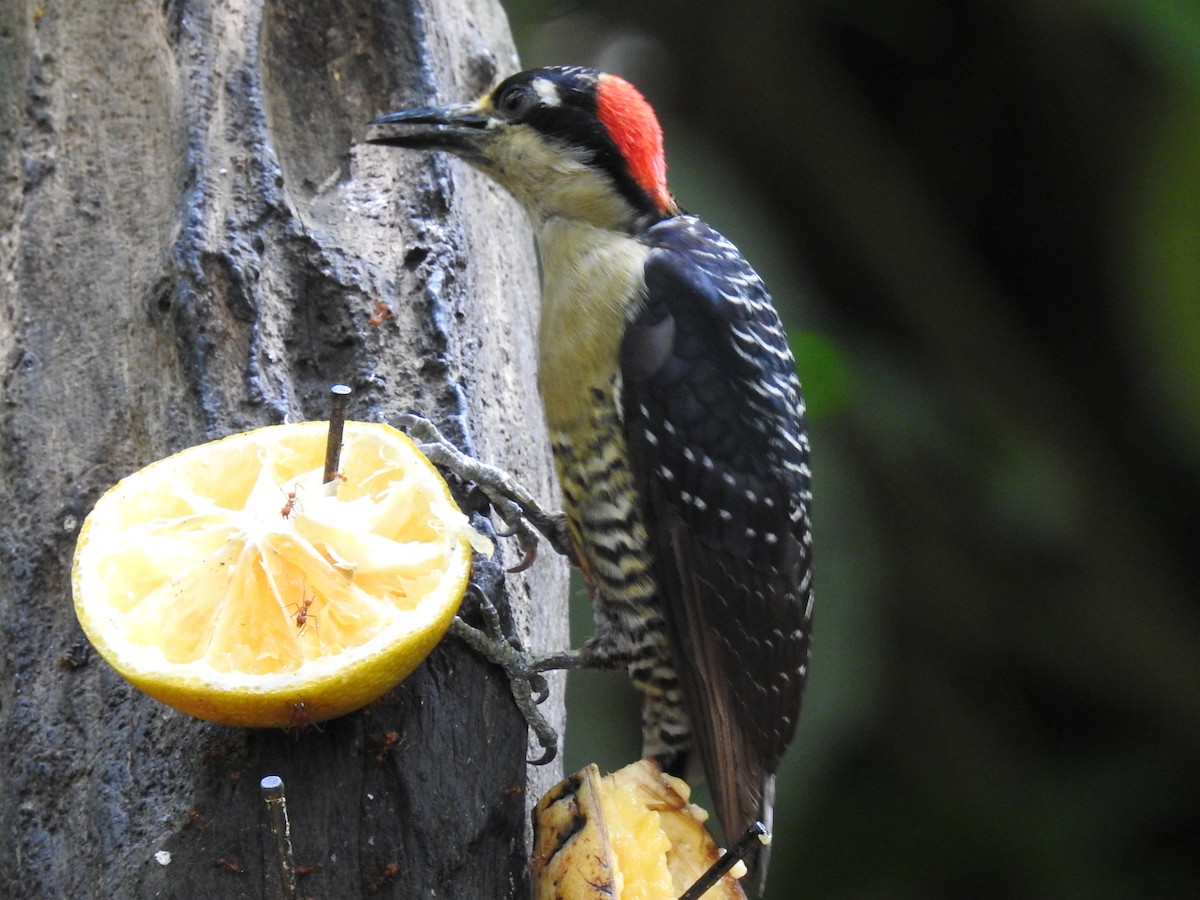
(715, 428)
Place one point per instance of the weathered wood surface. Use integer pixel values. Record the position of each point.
(193, 243)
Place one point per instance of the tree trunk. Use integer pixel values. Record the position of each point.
(193, 243)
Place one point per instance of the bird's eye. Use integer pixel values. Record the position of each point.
(517, 100)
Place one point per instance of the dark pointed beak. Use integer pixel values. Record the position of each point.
(460, 129)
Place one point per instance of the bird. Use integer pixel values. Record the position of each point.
(676, 421)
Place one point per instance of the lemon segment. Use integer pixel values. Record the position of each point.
(229, 582)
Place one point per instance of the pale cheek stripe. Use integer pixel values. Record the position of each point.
(547, 91)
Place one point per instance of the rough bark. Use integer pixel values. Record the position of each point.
(191, 244)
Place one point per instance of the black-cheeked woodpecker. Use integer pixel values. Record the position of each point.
(676, 418)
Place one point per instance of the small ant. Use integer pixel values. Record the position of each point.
(75, 658)
(382, 313)
(230, 866)
(300, 716)
(300, 720)
(289, 505)
(197, 819)
(390, 740)
(221, 752)
(390, 871)
(303, 616)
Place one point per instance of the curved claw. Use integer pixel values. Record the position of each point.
(539, 688)
(547, 738)
(526, 561)
(480, 598)
(547, 756)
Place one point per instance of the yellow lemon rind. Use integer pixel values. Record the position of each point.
(331, 686)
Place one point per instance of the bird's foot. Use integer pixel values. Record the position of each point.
(516, 506)
(524, 670)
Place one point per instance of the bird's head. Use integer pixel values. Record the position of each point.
(565, 141)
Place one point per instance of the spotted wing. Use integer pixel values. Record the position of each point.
(715, 428)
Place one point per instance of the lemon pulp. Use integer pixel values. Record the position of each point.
(230, 582)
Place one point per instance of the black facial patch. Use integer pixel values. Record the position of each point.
(572, 122)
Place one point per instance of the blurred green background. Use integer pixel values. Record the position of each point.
(981, 222)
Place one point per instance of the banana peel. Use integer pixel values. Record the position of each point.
(631, 835)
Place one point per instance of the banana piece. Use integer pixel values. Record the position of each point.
(629, 834)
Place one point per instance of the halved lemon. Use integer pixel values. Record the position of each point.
(228, 582)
